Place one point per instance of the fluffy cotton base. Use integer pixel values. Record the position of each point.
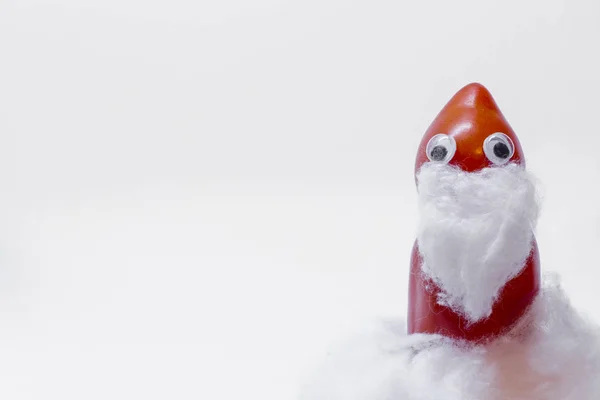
(475, 232)
(553, 354)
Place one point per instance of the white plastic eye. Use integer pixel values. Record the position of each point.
(441, 148)
(498, 148)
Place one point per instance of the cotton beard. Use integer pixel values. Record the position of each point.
(475, 233)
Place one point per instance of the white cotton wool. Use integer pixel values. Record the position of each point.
(475, 232)
(553, 354)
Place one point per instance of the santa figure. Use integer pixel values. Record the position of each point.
(483, 323)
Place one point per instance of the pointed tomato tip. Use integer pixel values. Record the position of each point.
(470, 117)
(474, 95)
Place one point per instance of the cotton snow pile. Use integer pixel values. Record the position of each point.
(553, 353)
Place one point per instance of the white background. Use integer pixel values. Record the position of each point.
(196, 196)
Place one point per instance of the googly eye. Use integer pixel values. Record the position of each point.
(441, 148)
(498, 148)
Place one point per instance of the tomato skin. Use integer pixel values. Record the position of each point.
(470, 117)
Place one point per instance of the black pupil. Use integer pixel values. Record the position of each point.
(501, 150)
(438, 153)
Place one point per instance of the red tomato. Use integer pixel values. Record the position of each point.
(470, 117)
